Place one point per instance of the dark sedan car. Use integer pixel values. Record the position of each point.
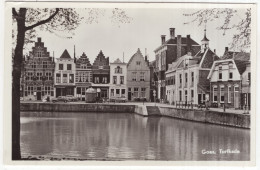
(60, 99)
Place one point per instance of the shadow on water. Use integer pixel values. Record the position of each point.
(128, 137)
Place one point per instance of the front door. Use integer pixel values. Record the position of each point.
(38, 95)
(129, 96)
(236, 100)
(199, 98)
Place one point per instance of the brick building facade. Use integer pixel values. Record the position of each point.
(37, 73)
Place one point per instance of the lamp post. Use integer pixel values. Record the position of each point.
(248, 96)
(154, 95)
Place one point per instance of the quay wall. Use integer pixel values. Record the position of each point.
(208, 116)
(214, 117)
(72, 107)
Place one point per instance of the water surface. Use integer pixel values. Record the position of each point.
(121, 136)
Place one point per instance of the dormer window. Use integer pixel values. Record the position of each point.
(138, 63)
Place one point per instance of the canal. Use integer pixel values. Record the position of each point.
(122, 136)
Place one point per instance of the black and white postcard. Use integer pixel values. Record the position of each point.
(95, 83)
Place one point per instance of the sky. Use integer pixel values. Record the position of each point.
(144, 31)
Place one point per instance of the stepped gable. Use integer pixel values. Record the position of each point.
(39, 45)
(101, 59)
(65, 55)
(83, 59)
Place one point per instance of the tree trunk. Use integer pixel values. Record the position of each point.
(17, 63)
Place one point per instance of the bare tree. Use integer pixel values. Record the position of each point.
(53, 20)
(228, 19)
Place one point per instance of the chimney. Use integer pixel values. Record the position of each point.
(188, 44)
(39, 39)
(163, 39)
(172, 33)
(145, 57)
(214, 50)
(178, 46)
(226, 49)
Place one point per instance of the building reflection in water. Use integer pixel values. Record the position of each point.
(128, 137)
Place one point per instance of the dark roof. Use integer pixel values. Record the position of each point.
(236, 55)
(65, 54)
(183, 41)
(210, 57)
(241, 65)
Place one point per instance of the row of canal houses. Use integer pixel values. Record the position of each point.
(42, 76)
(188, 72)
(183, 71)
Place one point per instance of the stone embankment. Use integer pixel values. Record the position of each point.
(205, 116)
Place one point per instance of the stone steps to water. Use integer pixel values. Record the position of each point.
(153, 111)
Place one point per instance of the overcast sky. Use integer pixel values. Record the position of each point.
(144, 31)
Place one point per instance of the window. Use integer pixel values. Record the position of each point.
(65, 78)
(96, 80)
(58, 78)
(220, 76)
(192, 95)
(123, 92)
(230, 75)
(229, 94)
(47, 90)
(100, 67)
(222, 94)
(121, 79)
(138, 63)
(44, 64)
(186, 78)
(114, 80)
(112, 92)
(48, 75)
(117, 92)
(133, 76)
(215, 94)
(34, 65)
(118, 69)
(104, 80)
(29, 76)
(30, 90)
(136, 92)
(220, 73)
(71, 78)
(249, 76)
(186, 95)
(180, 78)
(60, 66)
(174, 80)
(142, 92)
(68, 66)
(141, 76)
(38, 54)
(192, 77)
(39, 76)
(180, 95)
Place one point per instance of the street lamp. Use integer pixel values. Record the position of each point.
(154, 94)
(248, 81)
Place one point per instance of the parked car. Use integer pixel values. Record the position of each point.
(60, 99)
(118, 99)
(72, 98)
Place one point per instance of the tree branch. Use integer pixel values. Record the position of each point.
(43, 21)
(15, 14)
